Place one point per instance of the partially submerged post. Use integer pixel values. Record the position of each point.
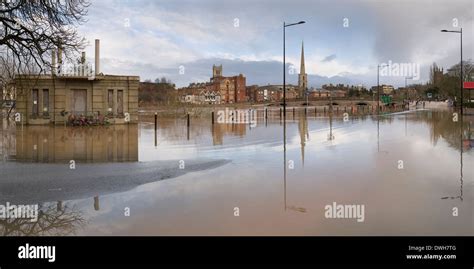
(156, 126)
(188, 123)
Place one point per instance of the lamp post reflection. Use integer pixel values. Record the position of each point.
(291, 207)
(284, 162)
(330, 136)
(461, 181)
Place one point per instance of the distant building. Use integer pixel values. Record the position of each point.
(231, 89)
(200, 93)
(76, 91)
(220, 89)
(384, 89)
(387, 89)
(252, 93)
(318, 94)
(436, 74)
(272, 93)
(338, 93)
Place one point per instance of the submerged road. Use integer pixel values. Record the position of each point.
(29, 183)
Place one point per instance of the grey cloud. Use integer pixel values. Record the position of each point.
(329, 58)
(256, 72)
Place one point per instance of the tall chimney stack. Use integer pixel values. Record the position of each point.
(97, 56)
(60, 59)
(82, 68)
(53, 62)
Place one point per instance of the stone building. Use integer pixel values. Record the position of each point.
(436, 74)
(76, 91)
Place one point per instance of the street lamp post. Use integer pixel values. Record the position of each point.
(284, 65)
(378, 86)
(462, 90)
(406, 91)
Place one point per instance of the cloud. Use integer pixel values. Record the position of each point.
(329, 58)
(162, 35)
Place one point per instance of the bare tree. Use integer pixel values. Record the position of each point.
(52, 220)
(30, 30)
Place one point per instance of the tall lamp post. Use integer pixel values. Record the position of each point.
(284, 63)
(462, 90)
(378, 86)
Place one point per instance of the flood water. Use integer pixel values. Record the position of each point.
(413, 172)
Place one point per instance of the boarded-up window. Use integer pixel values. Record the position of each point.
(120, 102)
(45, 102)
(79, 102)
(110, 101)
(34, 97)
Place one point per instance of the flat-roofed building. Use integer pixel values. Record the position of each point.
(76, 92)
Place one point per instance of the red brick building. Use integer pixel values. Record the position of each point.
(227, 89)
(231, 89)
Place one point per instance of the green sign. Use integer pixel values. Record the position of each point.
(386, 99)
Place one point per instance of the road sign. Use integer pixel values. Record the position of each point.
(469, 85)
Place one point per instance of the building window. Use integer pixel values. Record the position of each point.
(110, 101)
(34, 97)
(45, 102)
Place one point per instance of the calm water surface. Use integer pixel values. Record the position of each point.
(327, 160)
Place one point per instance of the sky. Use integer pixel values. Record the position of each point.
(344, 40)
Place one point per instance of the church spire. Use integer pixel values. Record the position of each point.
(302, 77)
(302, 69)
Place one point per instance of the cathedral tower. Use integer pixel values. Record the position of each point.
(216, 71)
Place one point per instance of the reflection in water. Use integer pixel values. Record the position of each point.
(429, 143)
(46, 144)
(7, 140)
(219, 130)
(304, 135)
(461, 149)
(53, 220)
(330, 135)
(284, 160)
(303, 131)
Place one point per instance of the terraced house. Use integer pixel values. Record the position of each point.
(77, 91)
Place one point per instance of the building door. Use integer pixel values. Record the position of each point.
(79, 102)
(120, 102)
